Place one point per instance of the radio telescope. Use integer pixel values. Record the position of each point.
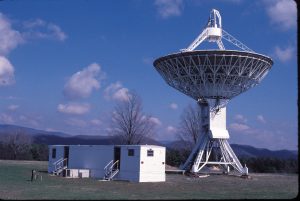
(212, 78)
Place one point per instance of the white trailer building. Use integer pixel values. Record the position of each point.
(138, 163)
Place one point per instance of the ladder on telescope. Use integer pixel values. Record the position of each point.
(111, 170)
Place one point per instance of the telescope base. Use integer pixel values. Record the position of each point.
(213, 151)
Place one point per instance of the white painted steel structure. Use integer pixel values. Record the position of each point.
(214, 33)
(137, 163)
(212, 78)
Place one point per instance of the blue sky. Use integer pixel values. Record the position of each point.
(65, 64)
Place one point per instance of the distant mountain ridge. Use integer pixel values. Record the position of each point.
(9, 129)
(60, 138)
(248, 151)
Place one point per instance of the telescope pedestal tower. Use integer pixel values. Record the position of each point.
(213, 136)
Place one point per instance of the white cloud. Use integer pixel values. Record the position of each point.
(13, 107)
(239, 127)
(171, 129)
(173, 106)
(82, 83)
(96, 122)
(273, 138)
(155, 121)
(284, 54)
(51, 130)
(34, 23)
(261, 119)
(111, 89)
(168, 8)
(56, 32)
(117, 92)
(6, 119)
(73, 108)
(9, 97)
(240, 118)
(29, 120)
(76, 122)
(282, 13)
(39, 28)
(121, 94)
(25, 120)
(9, 38)
(6, 72)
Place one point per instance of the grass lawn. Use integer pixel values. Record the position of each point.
(15, 184)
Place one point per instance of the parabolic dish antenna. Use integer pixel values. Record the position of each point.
(212, 78)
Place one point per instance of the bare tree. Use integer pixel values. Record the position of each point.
(190, 125)
(18, 143)
(129, 123)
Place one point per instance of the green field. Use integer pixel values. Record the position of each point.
(15, 184)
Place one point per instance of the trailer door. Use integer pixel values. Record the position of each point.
(117, 155)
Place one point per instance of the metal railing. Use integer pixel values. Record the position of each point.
(60, 165)
(105, 168)
(111, 169)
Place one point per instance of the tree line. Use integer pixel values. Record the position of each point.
(19, 146)
(176, 157)
(271, 165)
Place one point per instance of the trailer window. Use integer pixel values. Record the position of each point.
(130, 152)
(150, 152)
(54, 153)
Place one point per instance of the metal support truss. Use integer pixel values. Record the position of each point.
(235, 41)
(197, 41)
(213, 32)
(228, 157)
(220, 45)
(201, 154)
